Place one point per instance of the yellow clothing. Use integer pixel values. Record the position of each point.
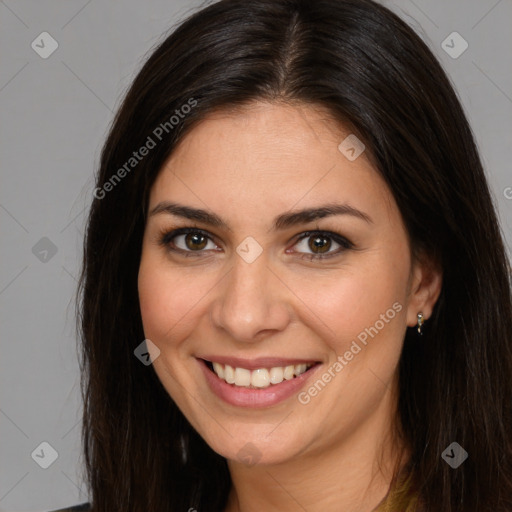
(402, 497)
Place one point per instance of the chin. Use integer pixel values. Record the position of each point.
(258, 447)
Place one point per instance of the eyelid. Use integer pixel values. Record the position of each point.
(342, 241)
(165, 237)
(339, 239)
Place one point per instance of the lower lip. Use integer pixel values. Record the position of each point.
(253, 397)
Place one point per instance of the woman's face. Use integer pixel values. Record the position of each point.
(255, 294)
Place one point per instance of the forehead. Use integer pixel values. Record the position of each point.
(269, 157)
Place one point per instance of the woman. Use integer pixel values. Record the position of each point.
(292, 214)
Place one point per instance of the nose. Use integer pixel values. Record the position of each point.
(252, 301)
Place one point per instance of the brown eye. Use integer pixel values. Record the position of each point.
(195, 241)
(319, 244)
(187, 241)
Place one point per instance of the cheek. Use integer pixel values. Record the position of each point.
(159, 304)
(366, 302)
(169, 297)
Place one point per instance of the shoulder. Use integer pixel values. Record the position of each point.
(83, 507)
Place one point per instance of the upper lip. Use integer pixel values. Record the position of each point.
(259, 362)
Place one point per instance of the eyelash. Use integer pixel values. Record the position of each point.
(166, 237)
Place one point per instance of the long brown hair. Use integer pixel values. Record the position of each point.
(369, 69)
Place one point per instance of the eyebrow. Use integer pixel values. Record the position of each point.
(281, 222)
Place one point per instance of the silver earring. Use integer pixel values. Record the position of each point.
(420, 323)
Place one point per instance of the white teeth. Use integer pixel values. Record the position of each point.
(276, 375)
(219, 369)
(242, 377)
(299, 368)
(229, 374)
(288, 372)
(260, 378)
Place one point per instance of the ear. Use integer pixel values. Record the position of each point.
(425, 285)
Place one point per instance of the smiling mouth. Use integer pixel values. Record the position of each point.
(259, 378)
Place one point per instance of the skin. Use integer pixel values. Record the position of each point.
(248, 166)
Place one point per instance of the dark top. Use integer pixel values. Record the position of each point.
(402, 496)
(84, 507)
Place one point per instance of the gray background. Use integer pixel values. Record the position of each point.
(55, 115)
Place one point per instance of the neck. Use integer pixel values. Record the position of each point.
(353, 475)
